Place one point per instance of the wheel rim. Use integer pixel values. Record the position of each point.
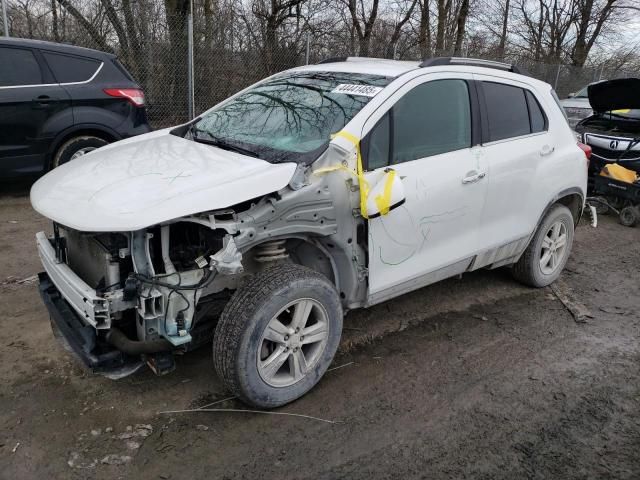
(81, 152)
(554, 246)
(293, 342)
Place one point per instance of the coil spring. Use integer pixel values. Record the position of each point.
(271, 251)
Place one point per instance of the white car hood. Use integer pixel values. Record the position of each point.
(151, 179)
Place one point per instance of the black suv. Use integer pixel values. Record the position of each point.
(58, 102)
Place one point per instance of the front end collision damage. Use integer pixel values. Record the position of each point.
(164, 303)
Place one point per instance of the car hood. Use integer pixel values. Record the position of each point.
(151, 179)
(617, 94)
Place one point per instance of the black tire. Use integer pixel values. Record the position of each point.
(528, 269)
(238, 339)
(629, 216)
(71, 147)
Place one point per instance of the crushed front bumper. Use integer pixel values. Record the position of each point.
(82, 337)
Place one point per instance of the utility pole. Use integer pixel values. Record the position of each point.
(190, 84)
(4, 18)
(306, 60)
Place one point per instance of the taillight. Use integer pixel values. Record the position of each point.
(587, 151)
(134, 95)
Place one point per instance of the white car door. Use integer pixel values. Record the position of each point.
(424, 132)
(516, 143)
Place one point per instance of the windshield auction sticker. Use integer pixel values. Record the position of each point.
(364, 90)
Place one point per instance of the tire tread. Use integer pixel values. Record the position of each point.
(240, 310)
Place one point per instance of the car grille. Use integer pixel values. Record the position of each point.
(613, 155)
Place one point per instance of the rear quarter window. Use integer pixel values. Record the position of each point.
(557, 100)
(538, 118)
(70, 68)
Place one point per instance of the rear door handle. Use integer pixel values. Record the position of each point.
(43, 101)
(546, 150)
(473, 177)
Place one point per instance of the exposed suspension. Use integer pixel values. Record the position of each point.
(271, 251)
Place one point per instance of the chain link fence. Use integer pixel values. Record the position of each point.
(230, 56)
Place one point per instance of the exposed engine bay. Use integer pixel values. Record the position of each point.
(160, 290)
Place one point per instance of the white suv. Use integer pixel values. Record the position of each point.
(318, 190)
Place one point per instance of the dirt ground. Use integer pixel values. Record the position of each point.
(472, 378)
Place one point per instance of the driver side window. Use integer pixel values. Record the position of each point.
(432, 118)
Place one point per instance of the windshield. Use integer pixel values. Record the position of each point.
(290, 117)
(582, 93)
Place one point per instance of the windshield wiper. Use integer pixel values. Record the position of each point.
(220, 143)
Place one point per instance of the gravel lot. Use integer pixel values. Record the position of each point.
(471, 378)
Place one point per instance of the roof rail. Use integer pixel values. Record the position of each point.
(478, 62)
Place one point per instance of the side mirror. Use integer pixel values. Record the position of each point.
(385, 195)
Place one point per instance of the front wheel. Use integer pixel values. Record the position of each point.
(277, 335)
(548, 252)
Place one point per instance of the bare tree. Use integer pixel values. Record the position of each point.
(363, 23)
(503, 34)
(424, 32)
(461, 23)
(397, 29)
(274, 13)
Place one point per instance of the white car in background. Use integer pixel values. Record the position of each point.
(577, 106)
(321, 189)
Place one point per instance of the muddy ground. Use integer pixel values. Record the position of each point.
(472, 378)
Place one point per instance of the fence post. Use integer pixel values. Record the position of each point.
(306, 58)
(4, 18)
(555, 85)
(190, 84)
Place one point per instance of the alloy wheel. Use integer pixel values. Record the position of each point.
(293, 342)
(554, 246)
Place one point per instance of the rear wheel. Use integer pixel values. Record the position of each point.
(548, 252)
(629, 216)
(277, 335)
(76, 148)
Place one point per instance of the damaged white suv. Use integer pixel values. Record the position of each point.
(318, 190)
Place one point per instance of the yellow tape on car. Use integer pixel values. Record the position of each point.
(384, 201)
(359, 173)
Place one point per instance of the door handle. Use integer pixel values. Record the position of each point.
(42, 101)
(546, 150)
(473, 177)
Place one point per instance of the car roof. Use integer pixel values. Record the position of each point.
(395, 68)
(364, 65)
(54, 47)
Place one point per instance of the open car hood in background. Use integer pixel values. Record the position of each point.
(617, 94)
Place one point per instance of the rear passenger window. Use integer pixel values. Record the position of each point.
(24, 68)
(507, 111)
(70, 69)
(538, 120)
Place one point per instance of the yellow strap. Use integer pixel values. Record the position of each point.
(359, 173)
(384, 201)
